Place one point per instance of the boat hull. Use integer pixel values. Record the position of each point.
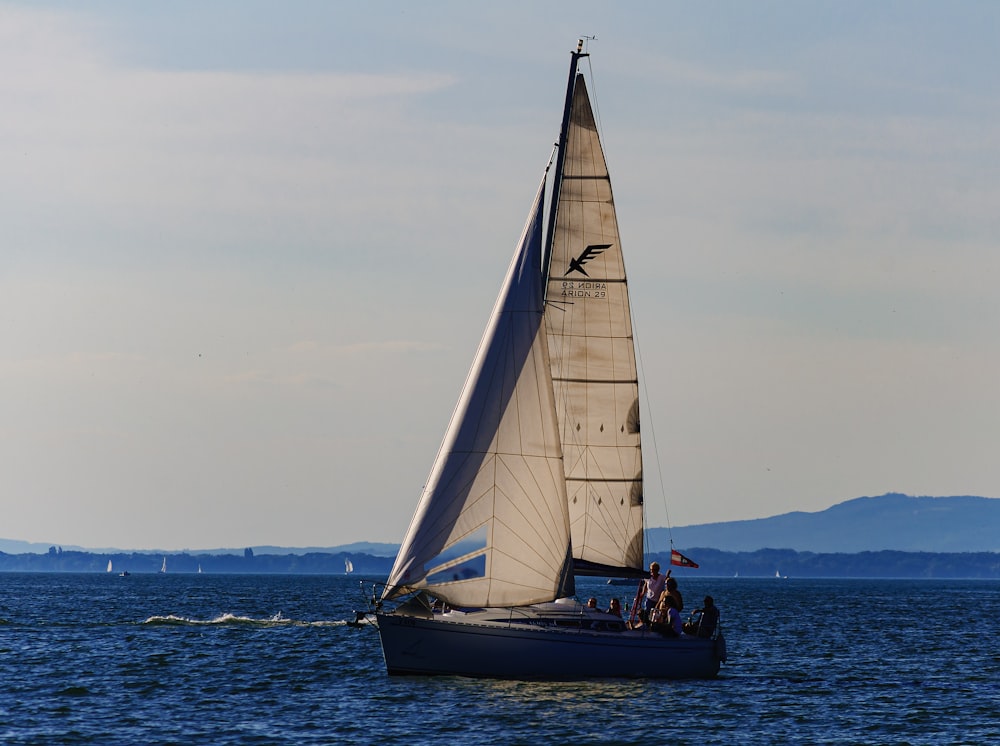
(432, 646)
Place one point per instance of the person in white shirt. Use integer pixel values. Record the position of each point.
(654, 588)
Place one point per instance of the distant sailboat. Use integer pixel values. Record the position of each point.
(199, 568)
(109, 565)
(163, 567)
(348, 566)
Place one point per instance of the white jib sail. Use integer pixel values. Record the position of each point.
(497, 482)
(589, 327)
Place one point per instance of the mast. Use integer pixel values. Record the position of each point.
(560, 160)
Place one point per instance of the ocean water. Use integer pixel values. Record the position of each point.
(236, 659)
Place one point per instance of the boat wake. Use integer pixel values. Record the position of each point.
(235, 620)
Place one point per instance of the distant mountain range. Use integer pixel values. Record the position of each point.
(866, 524)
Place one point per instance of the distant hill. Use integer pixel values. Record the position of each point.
(13, 546)
(890, 535)
(866, 524)
(891, 522)
(375, 549)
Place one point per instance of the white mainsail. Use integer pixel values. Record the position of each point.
(498, 479)
(589, 327)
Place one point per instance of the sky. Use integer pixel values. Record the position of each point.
(248, 249)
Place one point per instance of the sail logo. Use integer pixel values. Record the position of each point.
(583, 289)
(592, 251)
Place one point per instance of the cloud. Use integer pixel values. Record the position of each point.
(89, 143)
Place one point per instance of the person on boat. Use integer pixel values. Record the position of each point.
(666, 619)
(615, 608)
(671, 590)
(591, 603)
(659, 614)
(704, 620)
(654, 589)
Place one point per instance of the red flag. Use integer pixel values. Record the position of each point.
(676, 558)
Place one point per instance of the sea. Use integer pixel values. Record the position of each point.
(270, 659)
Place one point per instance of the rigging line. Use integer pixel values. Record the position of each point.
(595, 105)
(552, 157)
(652, 435)
(546, 208)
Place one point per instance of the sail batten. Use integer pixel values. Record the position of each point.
(594, 381)
(597, 480)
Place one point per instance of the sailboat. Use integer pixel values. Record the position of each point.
(348, 566)
(109, 566)
(163, 567)
(539, 476)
